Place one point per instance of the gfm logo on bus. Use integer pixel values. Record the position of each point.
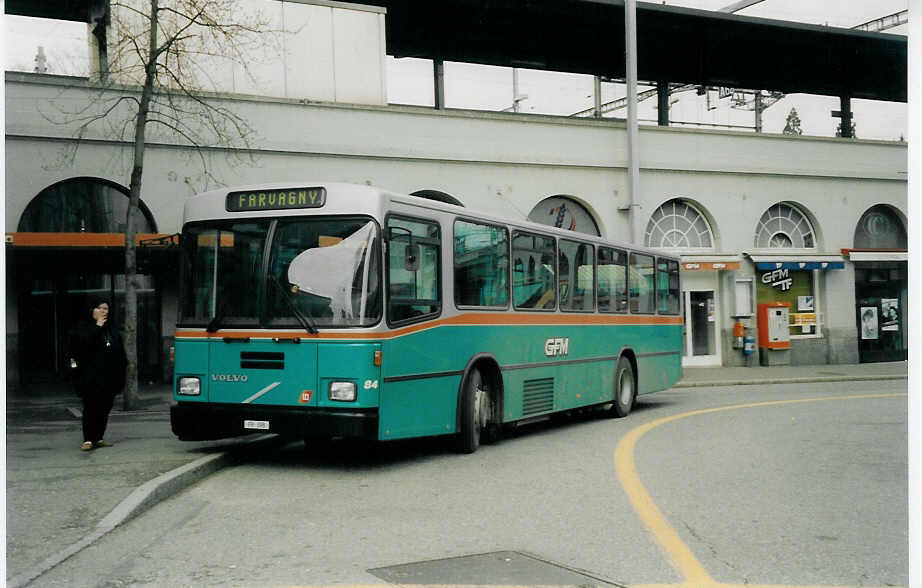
(229, 377)
(557, 346)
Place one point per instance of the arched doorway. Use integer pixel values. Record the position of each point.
(681, 227)
(881, 285)
(68, 248)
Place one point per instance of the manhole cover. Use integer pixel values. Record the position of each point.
(500, 568)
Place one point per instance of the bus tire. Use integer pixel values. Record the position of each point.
(625, 389)
(475, 411)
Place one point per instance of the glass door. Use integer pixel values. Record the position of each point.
(55, 298)
(702, 329)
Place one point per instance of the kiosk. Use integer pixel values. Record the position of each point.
(774, 333)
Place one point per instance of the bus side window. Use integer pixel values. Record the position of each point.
(413, 293)
(576, 276)
(535, 287)
(641, 282)
(481, 260)
(667, 286)
(612, 280)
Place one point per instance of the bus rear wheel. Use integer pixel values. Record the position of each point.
(625, 389)
(475, 412)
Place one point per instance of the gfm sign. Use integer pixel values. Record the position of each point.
(557, 346)
(780, 278)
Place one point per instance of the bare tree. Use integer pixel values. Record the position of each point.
(160, 64)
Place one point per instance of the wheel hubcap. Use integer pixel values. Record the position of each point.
(480, 407)
(627, 388)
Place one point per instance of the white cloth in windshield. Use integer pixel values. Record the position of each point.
(330, 271)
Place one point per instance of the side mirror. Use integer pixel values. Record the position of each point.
(411, 253)
(411, 257)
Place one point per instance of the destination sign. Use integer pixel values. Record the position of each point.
(248, 200)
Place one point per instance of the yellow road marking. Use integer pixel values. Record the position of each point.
(679, 554)
(720, 585)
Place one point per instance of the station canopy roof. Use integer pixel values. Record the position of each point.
(674, 44)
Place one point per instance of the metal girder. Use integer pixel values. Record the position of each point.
(885, 22)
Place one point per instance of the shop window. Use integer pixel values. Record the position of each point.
(881, 295)
(880, 228)
(564, 213)
(784, 226)
(677, 224)
(797, 288)
(82, 205)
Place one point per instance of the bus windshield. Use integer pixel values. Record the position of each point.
(325, 270)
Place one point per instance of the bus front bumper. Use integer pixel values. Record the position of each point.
(203, 422)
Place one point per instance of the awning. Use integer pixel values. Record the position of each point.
(710, 262)
(876, 254)
(91, 240)
(798, 262)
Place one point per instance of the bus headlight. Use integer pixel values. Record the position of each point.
(342, 391)
(189, 386)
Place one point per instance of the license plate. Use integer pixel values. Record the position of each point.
(258, 425)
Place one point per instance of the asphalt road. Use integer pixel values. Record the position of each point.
(787, 485)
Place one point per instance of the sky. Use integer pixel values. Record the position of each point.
(478, 87)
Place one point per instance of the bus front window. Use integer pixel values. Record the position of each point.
(328, 270)
(221, 268)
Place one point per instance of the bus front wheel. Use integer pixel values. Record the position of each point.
(625, 389)
(475, 412)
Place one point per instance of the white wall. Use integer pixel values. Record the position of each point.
(309, 50)
(495, 162)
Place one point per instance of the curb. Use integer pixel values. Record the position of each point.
(146, 496)
(793, 380)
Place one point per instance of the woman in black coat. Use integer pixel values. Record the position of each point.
(99, 374)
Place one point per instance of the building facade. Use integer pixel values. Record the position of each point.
(817, 224)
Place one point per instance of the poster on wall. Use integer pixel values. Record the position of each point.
(869, 322)
(889, 315)
(805, 303)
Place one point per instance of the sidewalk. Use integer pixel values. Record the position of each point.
(59, 499)
(731, 376)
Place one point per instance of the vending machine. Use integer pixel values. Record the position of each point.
(774, 333)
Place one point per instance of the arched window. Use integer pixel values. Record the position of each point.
(437, 196)
(82, 205)
(784, 226)
(564, 213)
(880, 228)
(678, 224)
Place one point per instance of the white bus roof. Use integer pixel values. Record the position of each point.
(357, 199)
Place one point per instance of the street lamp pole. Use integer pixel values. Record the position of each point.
(633, 174)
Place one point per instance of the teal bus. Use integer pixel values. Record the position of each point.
(321, 310)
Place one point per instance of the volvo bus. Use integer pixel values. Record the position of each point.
(321, 310)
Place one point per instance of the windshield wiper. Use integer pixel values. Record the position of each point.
(215, 323)
(305, 321)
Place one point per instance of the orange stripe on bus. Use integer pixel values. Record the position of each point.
(472, 319)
